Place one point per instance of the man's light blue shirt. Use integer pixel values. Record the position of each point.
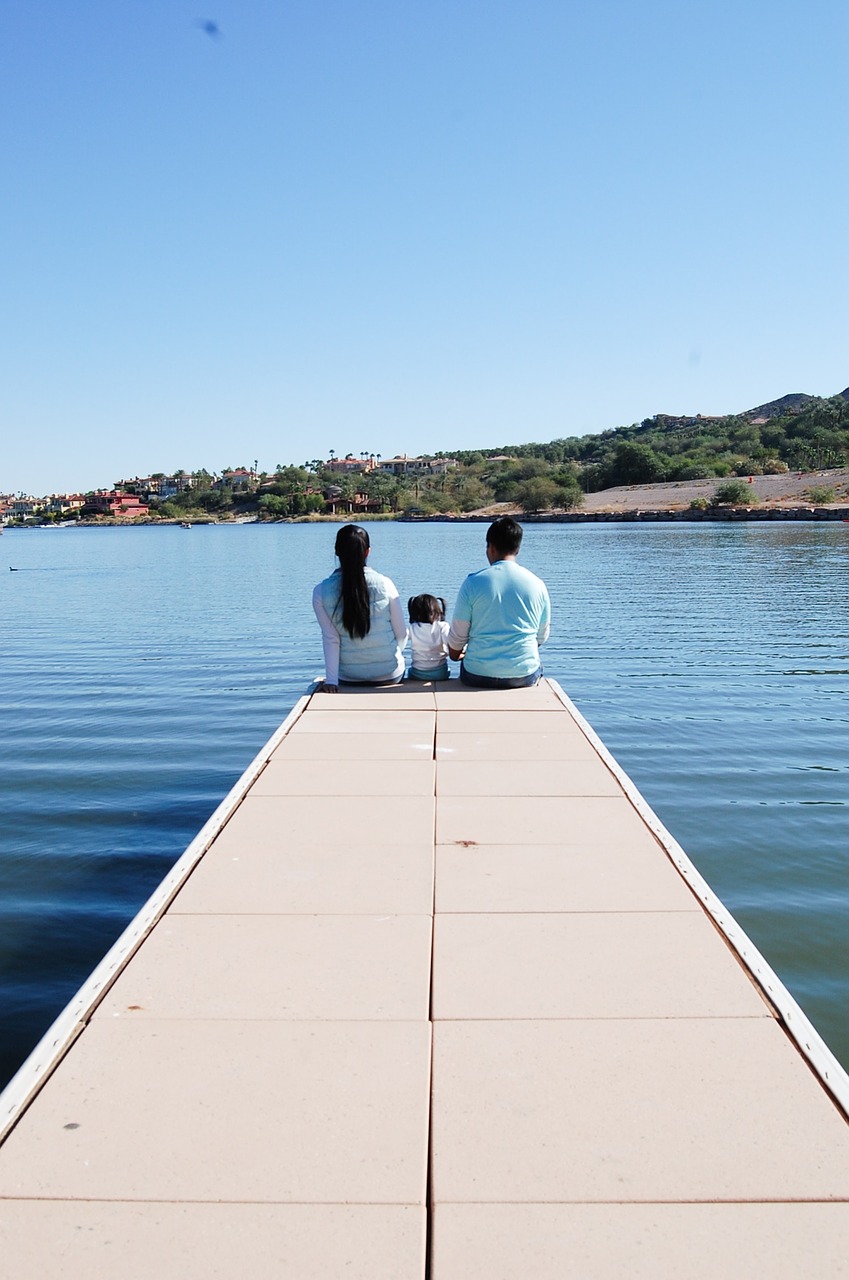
(502, 615)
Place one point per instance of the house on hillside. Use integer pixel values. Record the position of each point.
(118, 505)
(63, 504)
(350, 465)
(22, 508)
(239, 479)
(360, 503)
(404, 466)
(157, 486)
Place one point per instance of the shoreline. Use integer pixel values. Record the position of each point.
(774, 497)
(635, 515)
(651, 515)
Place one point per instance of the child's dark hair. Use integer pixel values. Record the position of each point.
(352, 547)
(426, 608)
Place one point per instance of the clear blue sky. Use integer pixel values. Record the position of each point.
(408, 225)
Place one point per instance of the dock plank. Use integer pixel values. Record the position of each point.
(320, 967)
(251, 1111)
(559, 877)
(260, 870)
(663, 1109)
(89, 1238)
(600, 965)
(639, 1242)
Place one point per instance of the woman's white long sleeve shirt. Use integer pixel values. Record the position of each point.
(331, 637)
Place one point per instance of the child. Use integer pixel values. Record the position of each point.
(428, 638)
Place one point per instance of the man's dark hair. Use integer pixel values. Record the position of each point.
(505, 535)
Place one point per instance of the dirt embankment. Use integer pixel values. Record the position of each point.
(788, 490)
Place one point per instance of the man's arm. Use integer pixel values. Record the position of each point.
(457, 637)
(545, 622)
(461, 623)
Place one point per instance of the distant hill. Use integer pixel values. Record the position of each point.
(795, 402)
(792, 403)
(797, 432)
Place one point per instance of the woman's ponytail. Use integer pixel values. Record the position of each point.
(352, 547)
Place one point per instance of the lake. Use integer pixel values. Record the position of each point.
(143, 668)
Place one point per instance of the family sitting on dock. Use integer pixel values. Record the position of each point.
(500, 619)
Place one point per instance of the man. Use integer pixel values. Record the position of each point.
(501, 617)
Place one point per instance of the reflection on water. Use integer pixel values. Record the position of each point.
(143, 668)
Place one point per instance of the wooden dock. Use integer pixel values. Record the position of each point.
(433, 994)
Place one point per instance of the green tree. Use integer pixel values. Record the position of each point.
(570, 493)
(215, 500)
(537, 494)
(167, 510)
(273, 505)
(636, 464)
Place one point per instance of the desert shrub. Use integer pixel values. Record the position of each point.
(820, 493)
(699, 504)
(542, 493)
(734, 493)
(693, 471)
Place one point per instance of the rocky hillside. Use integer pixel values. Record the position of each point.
(792, 403)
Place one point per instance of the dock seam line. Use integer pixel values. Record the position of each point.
(428, 1205)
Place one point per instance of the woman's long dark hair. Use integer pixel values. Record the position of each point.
(352, 546)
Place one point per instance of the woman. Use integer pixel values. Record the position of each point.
(359, 612)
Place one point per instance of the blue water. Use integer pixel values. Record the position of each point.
(142, 669)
